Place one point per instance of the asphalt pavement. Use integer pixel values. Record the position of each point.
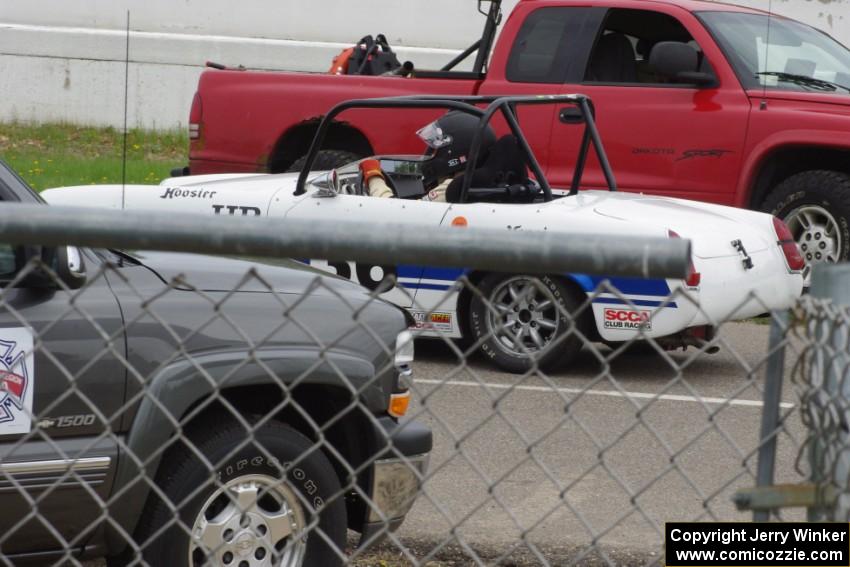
(585, 465)
(604, 453)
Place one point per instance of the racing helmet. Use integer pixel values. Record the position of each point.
(449, 141)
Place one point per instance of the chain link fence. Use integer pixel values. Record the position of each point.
(179, 409)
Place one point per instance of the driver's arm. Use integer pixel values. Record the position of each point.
(373, 177)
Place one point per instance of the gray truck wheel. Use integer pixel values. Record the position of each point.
(816, 207)
(325, 160)
(250, 517)
(524, 321)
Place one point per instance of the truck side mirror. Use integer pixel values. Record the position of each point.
(70, 266)
(679, 61)
(66, 261)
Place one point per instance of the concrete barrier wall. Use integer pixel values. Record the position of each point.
(64, 60)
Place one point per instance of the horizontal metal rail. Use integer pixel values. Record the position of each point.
(384, 244)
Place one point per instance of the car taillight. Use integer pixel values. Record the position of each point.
(694, 276)
(195, 117)
(790, 249)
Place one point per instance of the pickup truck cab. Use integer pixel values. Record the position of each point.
(697, 100)
(257, 415)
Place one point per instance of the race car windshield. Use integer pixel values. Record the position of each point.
(434, 136)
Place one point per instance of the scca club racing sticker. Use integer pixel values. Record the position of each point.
(16, 381)
(627, 320)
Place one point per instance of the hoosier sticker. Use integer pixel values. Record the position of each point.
(627, 320)
(17, 378)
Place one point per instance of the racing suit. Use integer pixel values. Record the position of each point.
(374, 179)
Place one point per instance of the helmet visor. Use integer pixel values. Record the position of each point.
(434, 136)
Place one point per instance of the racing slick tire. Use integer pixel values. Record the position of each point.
(526, 322)
(816, 207)
(245, 509)
(325, 160)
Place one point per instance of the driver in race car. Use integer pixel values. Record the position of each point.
(449, 141)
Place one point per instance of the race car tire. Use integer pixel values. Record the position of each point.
(816, 207)
(325, 160)
(252, 472)
(526, 322)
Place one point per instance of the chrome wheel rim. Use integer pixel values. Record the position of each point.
(818, 235)
(251, 521)
(524, 316)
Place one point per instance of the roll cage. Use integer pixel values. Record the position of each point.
(507, 106)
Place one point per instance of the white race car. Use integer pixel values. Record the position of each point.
(744, 262)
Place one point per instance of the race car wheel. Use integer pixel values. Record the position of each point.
(816, 207)
(325, 160)
(522, 322)
(244, 512)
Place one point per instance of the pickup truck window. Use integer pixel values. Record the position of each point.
(13, 188)
(541, 50)
(788, 56)
(7, 262)
(621, 52)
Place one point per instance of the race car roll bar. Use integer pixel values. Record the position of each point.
(507, 105)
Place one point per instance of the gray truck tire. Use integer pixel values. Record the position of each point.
(816, 207)
(263, 526)
(539, 316)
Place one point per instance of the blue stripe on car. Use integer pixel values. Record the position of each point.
(626, 286)
(437, 287)
(637, 302)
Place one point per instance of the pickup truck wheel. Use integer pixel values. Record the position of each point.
(524, 320)
(251, 515)
(325, 160)
(816, 207)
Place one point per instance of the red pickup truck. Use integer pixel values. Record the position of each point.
(695, 99)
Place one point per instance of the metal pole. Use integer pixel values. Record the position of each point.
(770, 412)
(830, 367)
(485, 249)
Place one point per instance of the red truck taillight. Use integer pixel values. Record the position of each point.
(195, 117)
(694, 277)
(790, 249)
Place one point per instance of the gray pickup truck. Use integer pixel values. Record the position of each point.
(237, 422)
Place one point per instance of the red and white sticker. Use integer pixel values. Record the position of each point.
(627, 319)
(17, 381)
(433, 321)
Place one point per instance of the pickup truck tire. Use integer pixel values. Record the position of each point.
(248, 479)
(816, 207)
(325, 160)
(523, 322)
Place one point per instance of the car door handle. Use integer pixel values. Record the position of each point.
(571, 115)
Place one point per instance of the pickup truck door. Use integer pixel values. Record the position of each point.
(661, 138)
(547, 43)
(59, 407)
(63, 454)
(417, 216)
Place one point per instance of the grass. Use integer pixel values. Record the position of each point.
(54, 155)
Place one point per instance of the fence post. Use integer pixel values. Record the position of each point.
(830, 368)
(770, 416)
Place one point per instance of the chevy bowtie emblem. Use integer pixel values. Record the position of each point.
(739, 246)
